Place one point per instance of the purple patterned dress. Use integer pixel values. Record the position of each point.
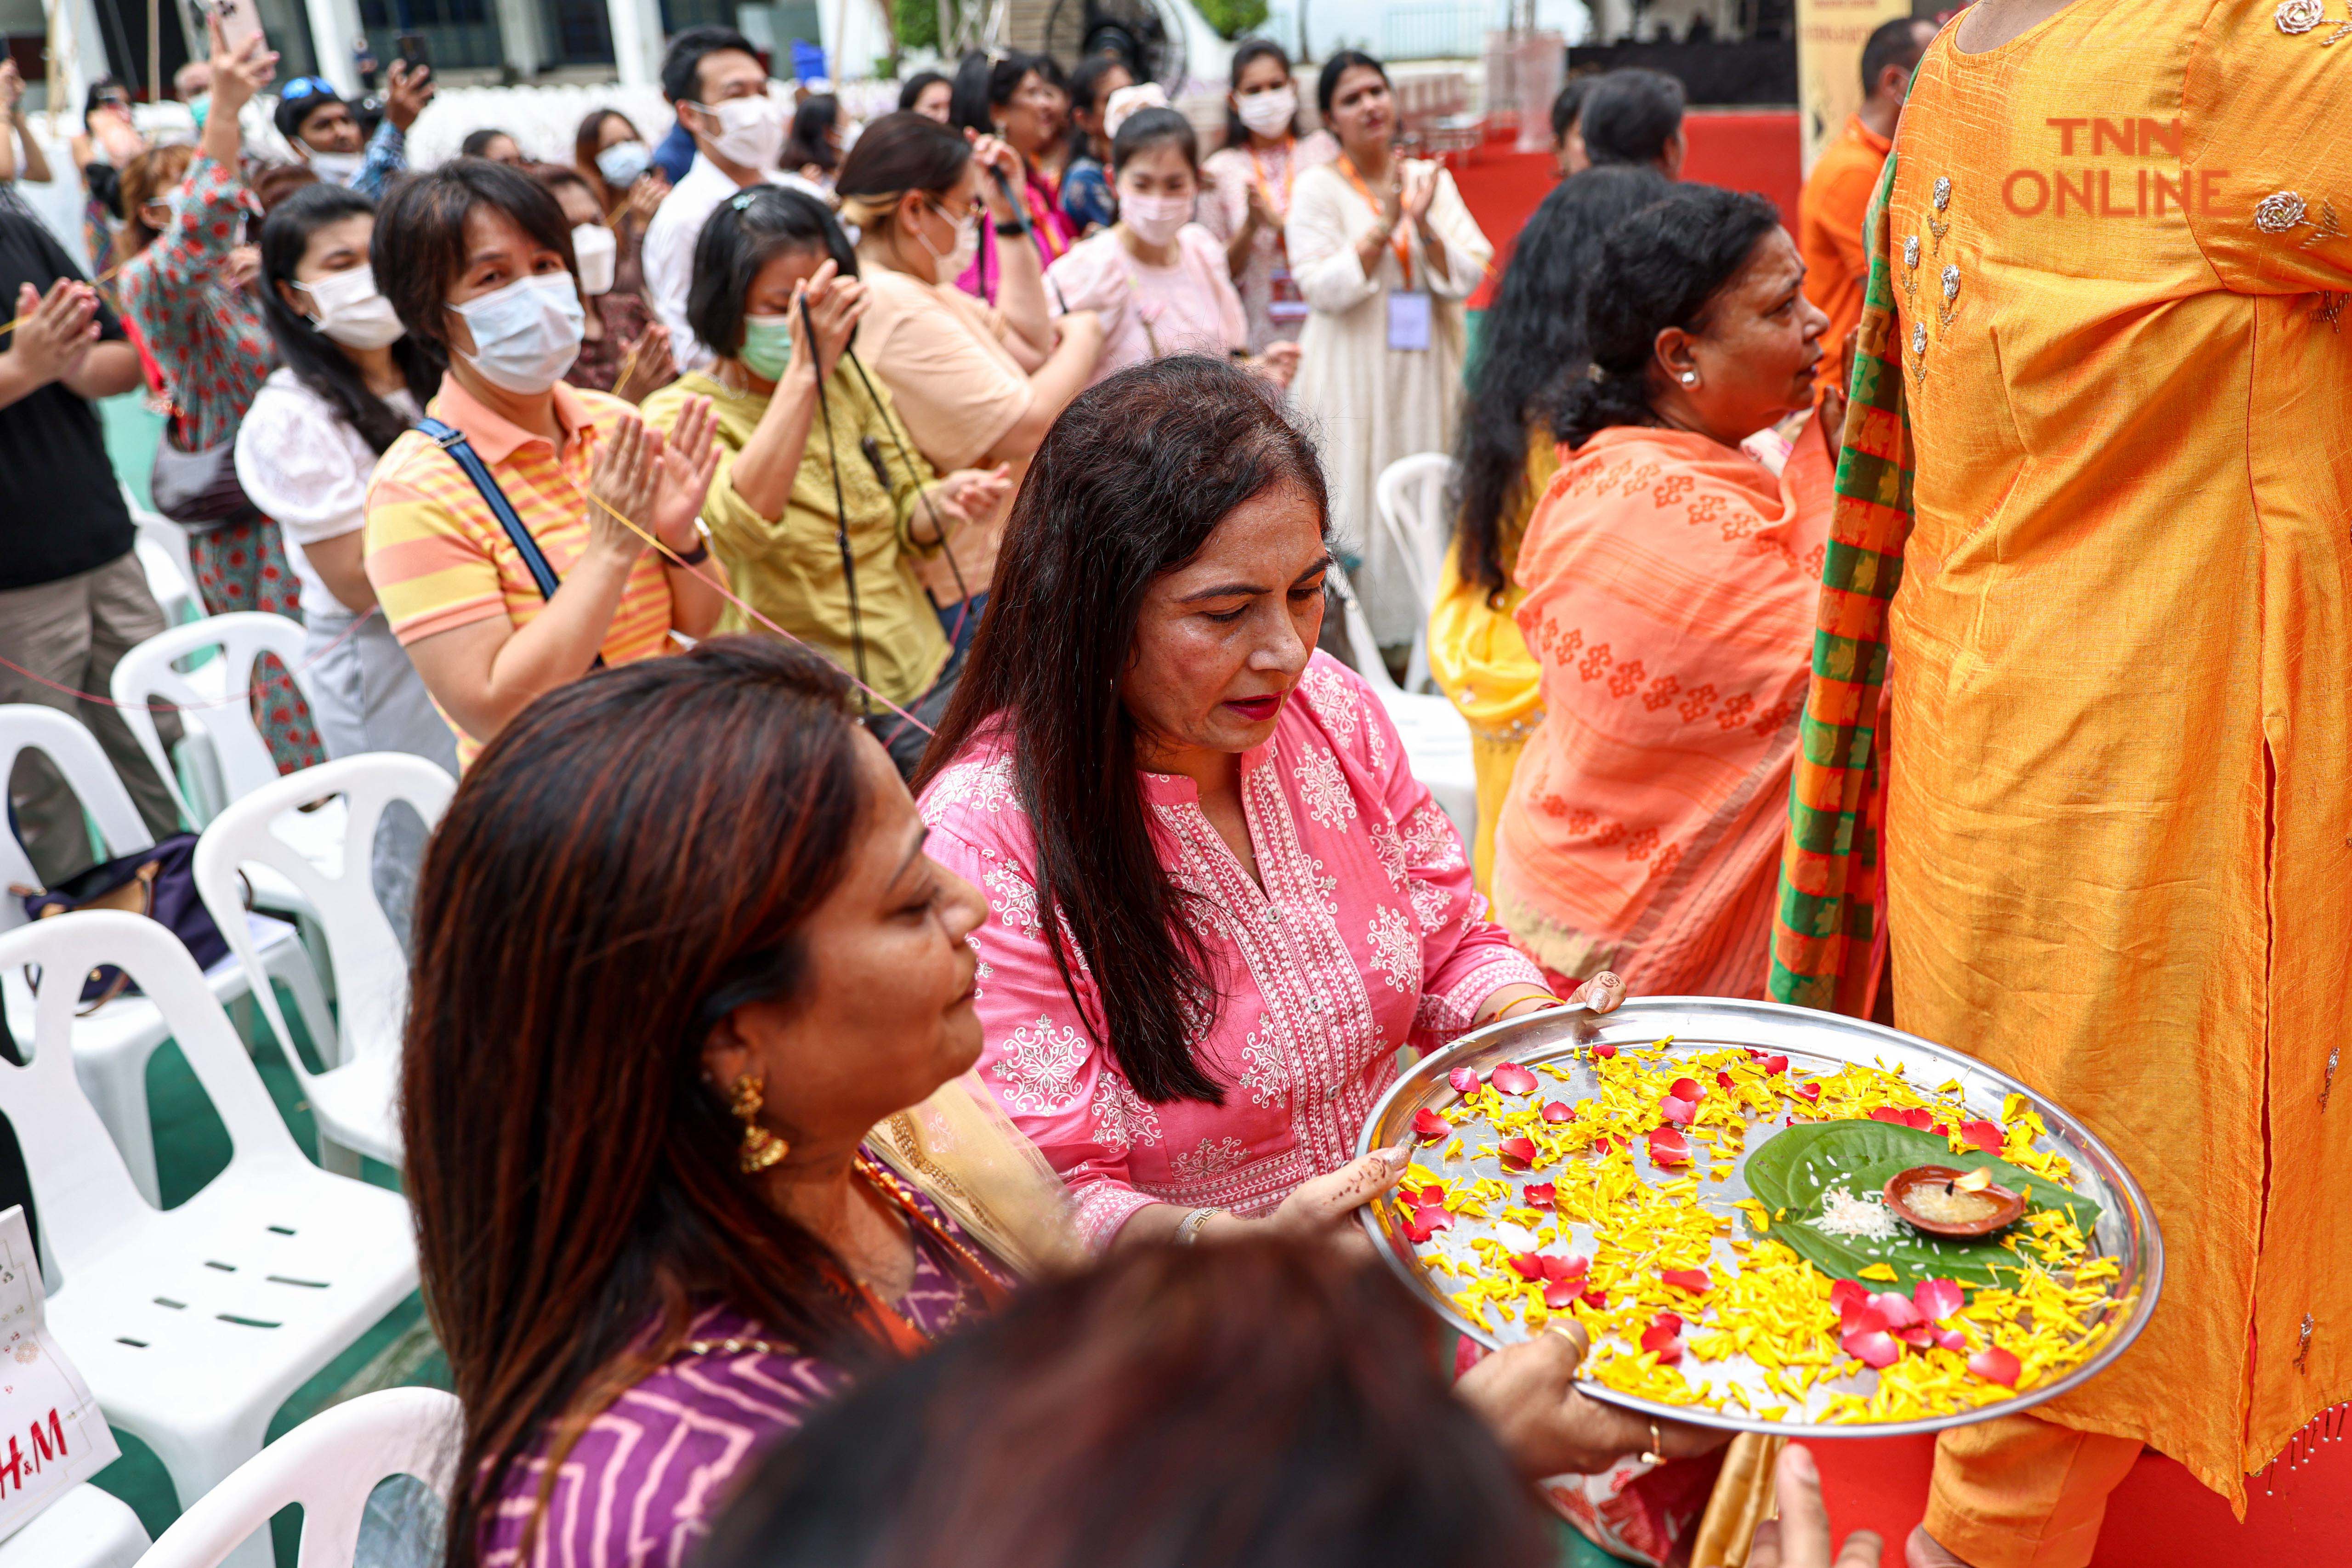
(641, 1487)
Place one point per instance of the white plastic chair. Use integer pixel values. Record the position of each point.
(352, 1101)
(191, 1326)
(145, 674)
(329, 1465)
(1410, 496)
(111, 1046)
(85, 1528)
(164, 554)
(1436, 736)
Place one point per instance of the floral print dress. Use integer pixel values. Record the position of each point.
(213, 353)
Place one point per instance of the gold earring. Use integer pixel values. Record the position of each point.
(761, 1147)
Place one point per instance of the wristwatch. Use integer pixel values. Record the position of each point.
(1007, 227)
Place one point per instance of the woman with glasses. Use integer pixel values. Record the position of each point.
(1023, 101)
(975, 388)
(187, 288)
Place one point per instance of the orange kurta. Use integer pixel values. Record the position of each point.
(1829, 230)
(1670, 583)
(2120, 857)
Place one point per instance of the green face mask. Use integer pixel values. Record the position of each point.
(767, 346)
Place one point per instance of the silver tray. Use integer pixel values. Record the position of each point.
(1818, 1043)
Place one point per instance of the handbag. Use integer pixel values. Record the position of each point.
(199, 490)
(159, 882)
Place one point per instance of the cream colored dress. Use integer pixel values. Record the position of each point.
(1369, 404)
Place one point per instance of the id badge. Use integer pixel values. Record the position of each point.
(1408, 322)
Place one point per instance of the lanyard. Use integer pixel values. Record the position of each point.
(1289, 177)
(1397, 238)
(1041, 209)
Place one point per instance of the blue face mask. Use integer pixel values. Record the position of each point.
(767, 346)
(622, 163)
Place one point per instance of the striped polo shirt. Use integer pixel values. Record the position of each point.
(438, 558)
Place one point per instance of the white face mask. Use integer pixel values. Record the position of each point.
(598, 251)
(337, 168)
(751, 131)
(351, 312)
(527, 334)
(954, 264)
(623, 162)
(1268, 113)
(1155, 219)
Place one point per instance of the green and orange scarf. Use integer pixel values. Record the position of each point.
(1826, 926)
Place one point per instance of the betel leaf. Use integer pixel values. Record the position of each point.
(1794, 1169)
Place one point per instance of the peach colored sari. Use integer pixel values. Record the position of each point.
(1671, 585)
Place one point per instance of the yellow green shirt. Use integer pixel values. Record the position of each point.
(788, 568)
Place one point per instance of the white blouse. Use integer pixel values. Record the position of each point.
(305, 467)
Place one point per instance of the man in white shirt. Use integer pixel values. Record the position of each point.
(715, 82)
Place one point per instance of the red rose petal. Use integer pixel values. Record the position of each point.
(1677, 1110)
(1936, 1299)
(1887, 1114)
(1723, 1081)
(1920, 1117)
(1995, 1365)
(1694, 1280)
(1527, 1266)
(1558, 1111)
(1918, 1336)
(1984, 1135)
(1540, 1195)
(1664, 1342)
(1842, 1291)
(1597, 1299)
(1429, 1125)
(1426, 1223)
(1940, 1130)
(1510, 1078)
(1561, 1295)
(1861, 1318)
(1668, 1320)
(1424, 1197)
(1686, 1088)
(1812, 1091)
(1573, 1267)
(1600, 1145)
(1463, 1080)
(1517, 1153)
(1951, 1339)
(1899, 1310)
(1668, 1147)
(1604, 1052)
(1874, 1350)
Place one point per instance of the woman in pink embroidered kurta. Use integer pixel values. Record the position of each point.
(1367, 936)
(1195, 979)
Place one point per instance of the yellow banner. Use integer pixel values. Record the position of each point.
(1829, 36)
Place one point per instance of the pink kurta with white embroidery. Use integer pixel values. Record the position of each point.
(1366, 936)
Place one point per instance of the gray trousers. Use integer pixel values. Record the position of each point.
(73, 632)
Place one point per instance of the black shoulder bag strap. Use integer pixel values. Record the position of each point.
(450, 440)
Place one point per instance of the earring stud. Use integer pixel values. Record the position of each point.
(1690, 378)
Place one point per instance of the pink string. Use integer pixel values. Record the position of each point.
(246, 695)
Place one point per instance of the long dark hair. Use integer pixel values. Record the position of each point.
(807, 143)
(589, 907)
(317, 360)
(1129, 483)
(1660, 267)
(1246, 53)
(1263, 1405)
(1531, 347)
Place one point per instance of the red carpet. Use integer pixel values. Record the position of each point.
(2160, 1518)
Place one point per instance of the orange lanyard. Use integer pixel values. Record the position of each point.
(1289, 177)
(1397, 240)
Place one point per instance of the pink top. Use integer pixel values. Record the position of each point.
(1148, 311)
(1366, 936)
